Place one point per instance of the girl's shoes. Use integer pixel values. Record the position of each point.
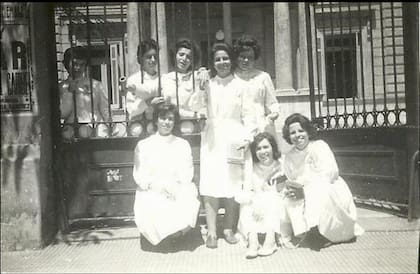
(251, 253)
(267, 251)
(211, 241)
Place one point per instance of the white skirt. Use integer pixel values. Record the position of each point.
(261, 215)
(157, 217)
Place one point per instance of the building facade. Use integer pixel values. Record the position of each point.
(351, 67)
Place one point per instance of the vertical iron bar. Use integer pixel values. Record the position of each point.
(375, 115)
(325, 57)
(141, 33)
(208, 34)
(361, 65)
(75, 120)
(310, 60)
(385, 110)
(334, 63)
(123, 37)
(318, 61)
(175, 66)
(394, 64)
(353, 93)
(92, 105)
(342, 66)
(107, 57)
(124, 60)
(158, 51)
(192, 43)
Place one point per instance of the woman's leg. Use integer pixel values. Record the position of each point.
(211, 205)
(231, 220)
(231, 214)
(253, 244)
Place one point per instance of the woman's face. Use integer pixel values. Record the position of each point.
(222, 63)
(246, 60)
(183, 59)
(298, 136)
(77, 67)
(264, 152)
(166, 123)
(149, 61)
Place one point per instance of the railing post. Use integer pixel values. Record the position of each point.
(412, 86)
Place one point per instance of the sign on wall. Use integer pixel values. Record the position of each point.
(16, 89)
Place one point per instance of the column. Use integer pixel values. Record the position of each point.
(157, 17)
(227, 22)
(132, 36)
(283, 48)
(302, 62)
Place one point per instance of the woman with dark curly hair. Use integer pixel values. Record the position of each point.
(183, 87)
(224, 155)
(260, 210)
(266, 106)
(143, 85)
(318, 203)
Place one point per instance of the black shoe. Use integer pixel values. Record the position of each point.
(230, 237)
(211, 242)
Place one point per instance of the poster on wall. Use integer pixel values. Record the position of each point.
(16, 89)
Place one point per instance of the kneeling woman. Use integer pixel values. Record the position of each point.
(166, 198)
(316, 196)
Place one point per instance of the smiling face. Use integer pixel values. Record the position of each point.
(165, 123)
(183, 59)
(222, 63)
(246, 60)
(298, 136)
(264, 152)
(149, 61)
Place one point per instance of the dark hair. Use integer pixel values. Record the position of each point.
(225, 47)
(246, 42)
(144, 47)
(195, 50)
(270, 138)
(304, 122)
(160, 110)
(77, 52)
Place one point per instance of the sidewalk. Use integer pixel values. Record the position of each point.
(389, 245)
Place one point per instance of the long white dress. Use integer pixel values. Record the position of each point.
(262, 89)
(260, 212)
(190, 96)
(328, 201)
(146, 87)
(164, 162)
(228, 124)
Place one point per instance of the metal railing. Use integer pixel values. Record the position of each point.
(101, 28)
(359, 64)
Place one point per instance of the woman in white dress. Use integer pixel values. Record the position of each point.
(260, 202)
(143, 85)
(266, 106)
(224, 157)
(166, 199)
(184, 86)
(317, 198)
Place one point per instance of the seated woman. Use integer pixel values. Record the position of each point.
(317, 198)
(260, 202)
(166, 199)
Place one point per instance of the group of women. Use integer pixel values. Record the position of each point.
(240, 165)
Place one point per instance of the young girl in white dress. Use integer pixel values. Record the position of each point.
(260, 209)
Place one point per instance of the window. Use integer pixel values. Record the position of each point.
(340, 66)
